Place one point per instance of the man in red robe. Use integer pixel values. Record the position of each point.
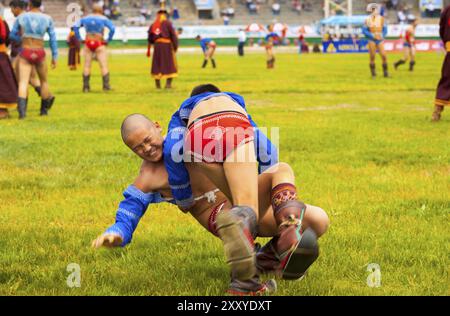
(443, 89)
(163, 37)
(8, 86)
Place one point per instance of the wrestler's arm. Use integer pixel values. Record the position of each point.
(385, 30)
(76, 29)
(111, 28)
(15, 32)
(179, 179)
(367, 32)
(131, 209)
(53, 42)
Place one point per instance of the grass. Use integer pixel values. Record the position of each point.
(362, 149)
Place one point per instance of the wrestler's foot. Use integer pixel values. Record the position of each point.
(46, 105)
(106, 85)
(22, 107)
(437, 113)
(252, 287)
(4, 114)
(291, 265)
(238, 245)
(86, 86)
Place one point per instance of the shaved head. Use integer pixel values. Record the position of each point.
(134, 122)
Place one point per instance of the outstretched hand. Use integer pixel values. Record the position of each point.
(107, 240)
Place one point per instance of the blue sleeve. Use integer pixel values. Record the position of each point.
(53, 42)
(203, 45)
(179, 180)
(14, 35)
(367, 33)
(385, 30)
(266, 152)
(111, 28)
(130, 211)
(76, 29)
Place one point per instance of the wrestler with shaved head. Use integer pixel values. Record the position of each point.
(278, 256)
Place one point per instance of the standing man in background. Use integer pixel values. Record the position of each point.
(8, 86)
(95, 45)
(242, 40)
(17, 8)
(74, 50)
(208, 47)
(409, 47)
(443, 89)
(30, 29)
(163, 36)
(375, 31)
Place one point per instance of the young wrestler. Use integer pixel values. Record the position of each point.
(408, 47)
(375, 31)
(270, 38)
(17, 8)
(208, 47)
(30, 28)
(95, 45)
(283, 255)
(213, 132)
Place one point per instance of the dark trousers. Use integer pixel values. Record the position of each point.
(241, 48)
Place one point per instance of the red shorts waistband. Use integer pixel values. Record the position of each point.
(34, 56)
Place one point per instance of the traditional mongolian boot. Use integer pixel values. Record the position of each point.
(106, 86)
(292, 251)
(252, 287)
(411, 65)
(238, 228)
(22, 107)
(385, 70)
(399, 63)
(158, 84)
(169, 83)
(438, 109)
(213, 62)
(4, 114)
(86, 86)
(46, 105)
(205, 62)
(373, 71)
(38, 90)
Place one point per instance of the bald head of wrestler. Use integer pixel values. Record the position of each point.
(143, 136)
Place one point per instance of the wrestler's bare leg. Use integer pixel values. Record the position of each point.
(88, 55)
(372, 55)
(25, 69)
(102, 58)
(42, 70)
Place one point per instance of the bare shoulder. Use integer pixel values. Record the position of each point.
(152, 177)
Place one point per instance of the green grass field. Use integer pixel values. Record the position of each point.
(364, 150)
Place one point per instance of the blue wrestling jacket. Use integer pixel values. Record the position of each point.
(131, 210)
(204, 43)
(35, 25)
(95, 24)
(179, 180)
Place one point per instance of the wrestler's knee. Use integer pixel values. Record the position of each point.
(317, 219)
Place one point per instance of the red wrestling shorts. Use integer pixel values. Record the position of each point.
(212, 44)
(93, 44)
(214, 137)
(34, 56)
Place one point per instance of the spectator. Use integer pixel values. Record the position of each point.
(401, 17)
(276, 8)
(175, 13)
(242, 40)
(226, 20)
